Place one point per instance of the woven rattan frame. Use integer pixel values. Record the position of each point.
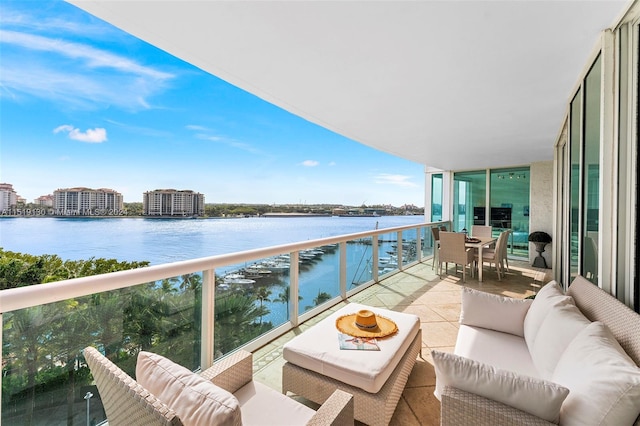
(369, 408)
(127, 403)
(598, 305)
(464, 408)
(124, 400)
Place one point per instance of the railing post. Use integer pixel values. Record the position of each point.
(343, 270)
(207, 318)
(294, 289)
(419, 243)
(375, 256)
(400, 255)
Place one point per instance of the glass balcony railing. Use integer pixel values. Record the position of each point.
(193, 312)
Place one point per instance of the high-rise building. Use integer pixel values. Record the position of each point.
(172, 202)
(8, 196)
(87, 201)
(44, 201)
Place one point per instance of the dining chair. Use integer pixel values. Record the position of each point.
(495, 255)
(481, 231)
(452, 249)
(435, 233)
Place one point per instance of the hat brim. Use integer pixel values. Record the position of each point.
(347, 324)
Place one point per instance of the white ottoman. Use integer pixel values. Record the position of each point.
(316, 365)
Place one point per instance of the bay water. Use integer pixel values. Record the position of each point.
(170, 240)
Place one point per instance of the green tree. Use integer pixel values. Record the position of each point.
(284, 296)
(262, 294)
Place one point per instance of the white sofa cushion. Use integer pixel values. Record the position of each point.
(317, 349)
(561, 325)
(548, 297)
(479, 309)
(538, 397)
(262, 405)
(604, 382)
(195, 400)
(501, 350)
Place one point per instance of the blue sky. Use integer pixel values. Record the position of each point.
(85, 104)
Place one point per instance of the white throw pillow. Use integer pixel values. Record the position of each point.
(492, 311)
(548, 297)
(195, 400)
(561, 325)
(538, 397)
(604, 382)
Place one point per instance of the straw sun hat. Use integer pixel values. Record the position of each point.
(365, 323)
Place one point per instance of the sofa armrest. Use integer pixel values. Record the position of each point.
(232, 372)
(336, 410)
(461, 408)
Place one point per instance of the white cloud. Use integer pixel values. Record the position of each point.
(333, 163)
(310, 163)
(76, 73)
(97, 135)
(397, 180)
(195, 127)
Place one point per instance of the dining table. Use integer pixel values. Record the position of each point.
(480, 243)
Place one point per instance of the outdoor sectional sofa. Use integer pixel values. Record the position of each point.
(561, 358)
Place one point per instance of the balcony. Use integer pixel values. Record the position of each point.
(45, 379)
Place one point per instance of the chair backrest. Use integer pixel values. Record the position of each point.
(507, 233)
(452, 248)
(501, 245)
(435, 232)
(481, 231)
(124, 400)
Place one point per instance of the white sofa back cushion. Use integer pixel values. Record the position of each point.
(195, 400)
(538, 397)
(479, 310)
(547, 298)
(559, 328)
(604, 382)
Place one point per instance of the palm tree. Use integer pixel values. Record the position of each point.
(262, 294)
(284, 297)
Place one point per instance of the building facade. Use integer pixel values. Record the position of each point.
(86, 202)
(8, 196)
(172, 202)
(44, 201)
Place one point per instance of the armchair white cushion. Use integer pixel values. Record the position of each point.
(196, 401)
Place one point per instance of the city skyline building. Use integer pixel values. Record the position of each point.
(172, 202)
(87, 201)
(8, 196)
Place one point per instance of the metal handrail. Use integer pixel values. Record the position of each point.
(25, 297)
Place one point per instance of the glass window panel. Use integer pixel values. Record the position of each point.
(469, 196)
(574, 183)
(509, 207)
(591, 169)
(436, 197)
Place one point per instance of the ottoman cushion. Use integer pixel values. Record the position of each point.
(318, 350)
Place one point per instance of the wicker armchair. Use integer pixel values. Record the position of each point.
(126, 402)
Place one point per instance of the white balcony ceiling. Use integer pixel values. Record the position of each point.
(449, 84)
